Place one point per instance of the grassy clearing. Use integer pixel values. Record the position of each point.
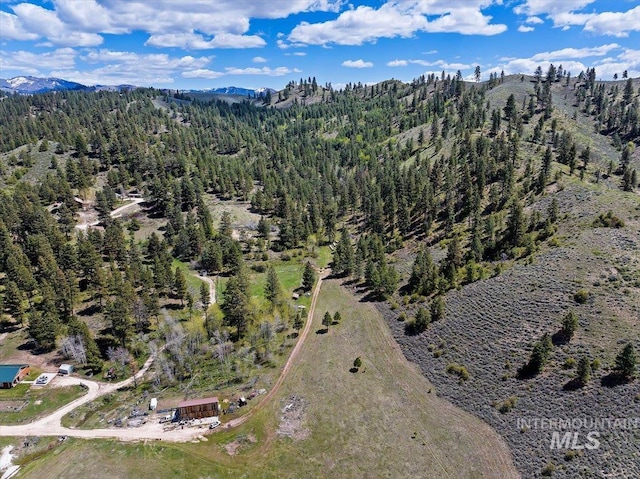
(379, 422)
(41, 402)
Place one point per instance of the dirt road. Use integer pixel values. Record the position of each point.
(292, 357)
(212, 288)
(50, 425)
(117, 213)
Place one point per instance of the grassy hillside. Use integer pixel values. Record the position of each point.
(385, 420)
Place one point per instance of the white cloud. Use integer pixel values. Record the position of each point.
(114, 67)
(35, 64)
(194, 41)
(264, 71)
(12, 28)
(551, 7)
(46, 24)
(575, 53)
(566, 13)
(400, 18)
(202, 73)
(272, 72)
(357, 64)
(230, 40)
(397, 63)
(534, 20)
(618, 24)
(259, 60)
(80, 23)
(525, 29)
(570, 59)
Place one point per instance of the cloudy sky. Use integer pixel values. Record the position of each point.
(209, 43)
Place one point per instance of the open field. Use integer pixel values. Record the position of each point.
(328, 429)
(39, 401)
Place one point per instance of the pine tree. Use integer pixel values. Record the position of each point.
(627, 362)
(326, 320)
(308, 277)
(180, 285)
(569, 324)
(205, 296)
(583, 372)
(273, 289)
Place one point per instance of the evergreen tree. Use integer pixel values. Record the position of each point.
(205, 296)
(627, 362)
(326, 320)
(569, 324)
(308, 277)
(180, 285)
(273, 289)
(583, 372)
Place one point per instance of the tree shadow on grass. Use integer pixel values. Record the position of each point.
(173, 306)
(322, 331)
(612, 380)
(527, 371)
(353, 370)
(573, 385)
(559, 338)
(90, 310)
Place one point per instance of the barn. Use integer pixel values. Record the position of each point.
(198, 408)
(12, 374)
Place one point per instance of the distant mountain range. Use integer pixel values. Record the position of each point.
(28, 85)
(239, 91)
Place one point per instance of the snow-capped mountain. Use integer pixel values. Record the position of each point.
(28, 85)
(246, 92)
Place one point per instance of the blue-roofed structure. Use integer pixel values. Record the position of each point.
(12, 374)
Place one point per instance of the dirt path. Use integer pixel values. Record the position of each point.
(50, 425)
(117, 213)
(292, 356)
(212, 288)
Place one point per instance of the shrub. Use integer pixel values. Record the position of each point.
(581, 296)
(402, 316)
(357, 363)
(508, 404)
(572, 454)
(608, 220)
(549, 469)
(570, 323)
(458, 370)
(570, 363)
(422, 320)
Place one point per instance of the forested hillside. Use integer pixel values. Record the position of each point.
(425, 192)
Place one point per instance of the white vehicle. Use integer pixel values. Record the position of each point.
(214, 424)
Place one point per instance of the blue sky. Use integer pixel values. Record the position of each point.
(198, 44)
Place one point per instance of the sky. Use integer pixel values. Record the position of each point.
(199, 44)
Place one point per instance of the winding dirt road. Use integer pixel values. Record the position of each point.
(212, 288)
(117, 213)
(153, 430)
